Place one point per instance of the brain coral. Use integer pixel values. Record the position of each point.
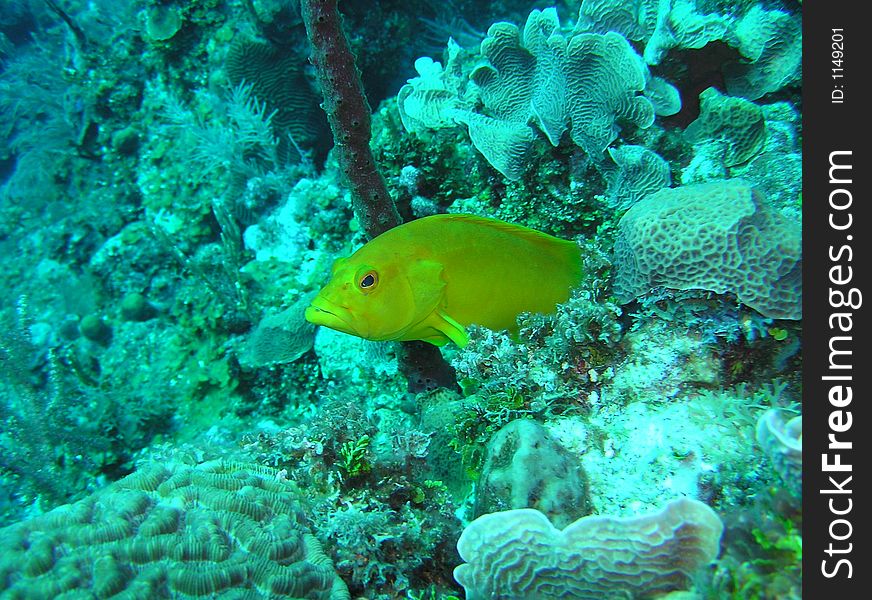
(217, 530)
(520, 554)
(720, 236)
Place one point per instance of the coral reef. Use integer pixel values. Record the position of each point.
(277, 79)
(769, 41)
(736, 123)
(772, 41)
(171, 200)
(585, 83)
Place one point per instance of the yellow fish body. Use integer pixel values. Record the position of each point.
(430, 278)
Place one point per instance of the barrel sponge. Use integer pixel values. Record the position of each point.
(525, 467)
(719, 236)
(520, 554)
(217, 530)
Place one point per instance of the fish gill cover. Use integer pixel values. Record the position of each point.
(170, 205)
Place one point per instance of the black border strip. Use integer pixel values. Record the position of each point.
(837, 119)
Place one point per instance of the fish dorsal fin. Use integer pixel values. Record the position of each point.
(568, 251)
(509, 228)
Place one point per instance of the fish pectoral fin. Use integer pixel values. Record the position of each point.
(437, 340)
(451, 329)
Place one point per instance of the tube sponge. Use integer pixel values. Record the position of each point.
(520, 554)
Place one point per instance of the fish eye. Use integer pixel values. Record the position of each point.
(368, 281)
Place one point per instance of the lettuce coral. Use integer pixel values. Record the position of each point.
(585, 83)
(520, 554)
(639, 172)
(781, 440)
(737, 123)
(771, 40)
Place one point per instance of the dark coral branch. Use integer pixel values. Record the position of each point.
(81, 38)
(348, 113)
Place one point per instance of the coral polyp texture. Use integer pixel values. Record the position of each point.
(720, 236)
(216, 530)
(769, 41)
(772, 42)
(639, 172)
(520, 554)
(179, 179)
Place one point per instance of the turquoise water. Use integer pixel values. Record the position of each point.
(198, 401)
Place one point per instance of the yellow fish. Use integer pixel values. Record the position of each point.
(429, 278)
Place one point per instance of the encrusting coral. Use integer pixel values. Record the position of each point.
(527, 468)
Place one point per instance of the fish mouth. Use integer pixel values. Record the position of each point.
(327, 314)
